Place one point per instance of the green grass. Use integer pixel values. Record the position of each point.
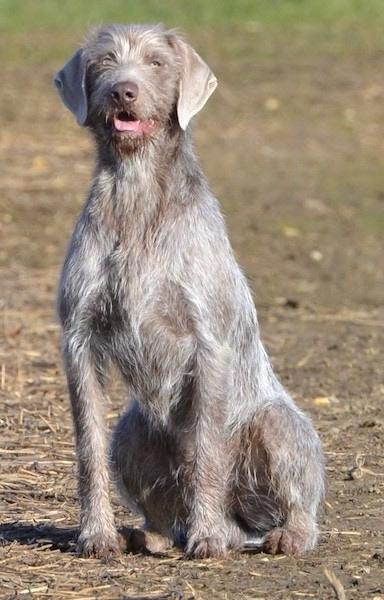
(27, 15)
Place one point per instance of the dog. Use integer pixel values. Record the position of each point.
(212, 449)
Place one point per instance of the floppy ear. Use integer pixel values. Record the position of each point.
(70, 83)
(197, 82)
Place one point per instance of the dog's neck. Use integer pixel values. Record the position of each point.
(142, 183)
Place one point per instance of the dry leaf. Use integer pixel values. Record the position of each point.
(316, 255)
(290, 231)
(39, 165)
(272, 104)
(321, 401)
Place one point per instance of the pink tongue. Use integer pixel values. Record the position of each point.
(135, 126)
(126, 125)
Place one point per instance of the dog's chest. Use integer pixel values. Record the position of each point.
(140, 310)
(128, 293)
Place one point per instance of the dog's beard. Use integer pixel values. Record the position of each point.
(126, 144)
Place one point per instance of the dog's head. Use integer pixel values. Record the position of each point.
(128, 82)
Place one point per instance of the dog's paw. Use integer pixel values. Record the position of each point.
(209, 547)
(98, 545)
(285, 541)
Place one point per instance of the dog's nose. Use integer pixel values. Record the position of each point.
(125, 92)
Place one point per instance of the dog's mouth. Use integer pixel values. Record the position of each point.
(126, 123)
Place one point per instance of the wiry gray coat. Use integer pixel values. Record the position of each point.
(212, 449)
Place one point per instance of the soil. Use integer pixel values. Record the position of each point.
(292, 145)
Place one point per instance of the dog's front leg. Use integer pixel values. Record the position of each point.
(98, 535)
(207, 491)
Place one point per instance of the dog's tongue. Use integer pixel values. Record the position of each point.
(133, 126)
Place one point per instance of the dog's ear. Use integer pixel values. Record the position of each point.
(70, 83)
(197, 82)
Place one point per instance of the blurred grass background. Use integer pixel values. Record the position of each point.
(342, 24)
(26, 15)
(291, 142)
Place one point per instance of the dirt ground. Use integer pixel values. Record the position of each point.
(292, 143)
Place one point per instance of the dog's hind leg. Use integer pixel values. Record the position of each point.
(147, 478)
(287, 490)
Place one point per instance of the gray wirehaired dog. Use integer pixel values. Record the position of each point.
(212, 449)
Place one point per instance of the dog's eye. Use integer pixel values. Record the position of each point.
(109, 58)
(155, 63)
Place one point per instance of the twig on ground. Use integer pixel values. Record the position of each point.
(336, 584)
